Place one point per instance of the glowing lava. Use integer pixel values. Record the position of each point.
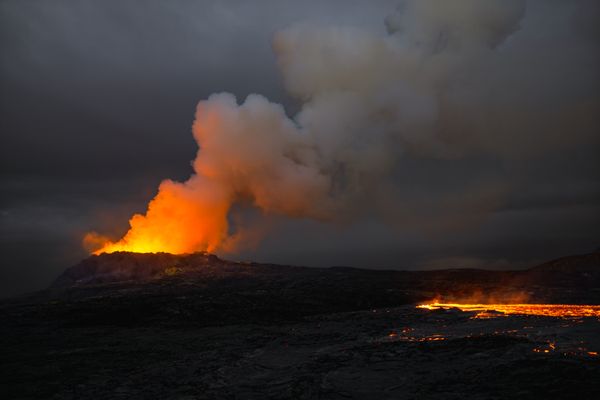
(182, 218)
(494, 310)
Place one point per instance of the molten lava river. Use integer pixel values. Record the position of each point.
(547, 330)
(496, 310)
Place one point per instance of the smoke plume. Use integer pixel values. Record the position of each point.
(441, 84)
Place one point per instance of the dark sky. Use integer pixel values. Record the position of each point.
(98, 97)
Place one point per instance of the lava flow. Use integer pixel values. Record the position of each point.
(494, 310)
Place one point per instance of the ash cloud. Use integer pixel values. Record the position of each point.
(439, 85)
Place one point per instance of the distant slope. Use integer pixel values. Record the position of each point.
(581, 272)
(584, 263)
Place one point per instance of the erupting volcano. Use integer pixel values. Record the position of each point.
(248, 153)
(396, 190)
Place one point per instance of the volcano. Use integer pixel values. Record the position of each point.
(135, 325)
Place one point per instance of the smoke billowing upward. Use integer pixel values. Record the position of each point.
(449, 80)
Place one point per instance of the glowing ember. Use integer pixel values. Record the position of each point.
(551, 347)
(494, 310)
(409, 338)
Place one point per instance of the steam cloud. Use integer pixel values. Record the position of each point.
(449, 80)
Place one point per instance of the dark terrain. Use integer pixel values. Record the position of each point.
(162, 326)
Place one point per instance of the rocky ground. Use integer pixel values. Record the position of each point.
(203, 328)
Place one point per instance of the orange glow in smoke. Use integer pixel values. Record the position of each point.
(494, 310)
(182, 218)
(250, 154)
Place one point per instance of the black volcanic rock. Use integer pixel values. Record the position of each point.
(145, 326)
